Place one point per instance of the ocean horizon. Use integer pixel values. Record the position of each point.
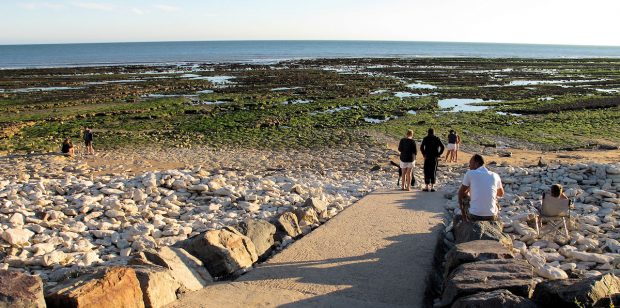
(271, 51)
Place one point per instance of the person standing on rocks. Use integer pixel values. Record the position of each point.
(408, 152)
(431, 149)
(483, 187)
(88, 142)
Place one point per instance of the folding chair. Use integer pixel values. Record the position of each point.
(556, 213)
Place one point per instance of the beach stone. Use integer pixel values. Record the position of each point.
(494, 299)
(306, 216)
(261, 233)
(466, 231)
(223, 252)
(17, 237)
(109, 287)
(587, 291)
(188, 270)
(317, 204)
(513, 275)
(289, 224)
(158, 287)
(20, 290)
(475, 251)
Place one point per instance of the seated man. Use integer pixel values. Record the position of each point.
(484, 187)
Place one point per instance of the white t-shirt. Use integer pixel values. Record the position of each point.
(483, 185)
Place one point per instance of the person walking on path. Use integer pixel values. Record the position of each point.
(88, 142)
(408, 152)
(483, 187)
(451, 148)
(431, 149)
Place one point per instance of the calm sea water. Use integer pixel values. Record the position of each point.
(53, 55)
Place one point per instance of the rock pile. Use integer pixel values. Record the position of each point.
(157, 234)
(485, 250)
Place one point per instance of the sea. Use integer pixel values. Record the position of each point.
(94, 54)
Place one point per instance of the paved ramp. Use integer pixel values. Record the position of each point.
(376, 253)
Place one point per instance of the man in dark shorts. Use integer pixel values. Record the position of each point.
(431, 149)
(88, 141)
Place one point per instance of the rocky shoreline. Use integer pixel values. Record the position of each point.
(64, 218)
(507, 263)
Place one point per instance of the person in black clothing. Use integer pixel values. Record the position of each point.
(88, 141)
(408, 151)
(431, 149)
(67, 148)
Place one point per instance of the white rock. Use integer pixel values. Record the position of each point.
(17, 237)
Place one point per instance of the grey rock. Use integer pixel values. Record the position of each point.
(223, 252)
(185, 268)
(494, 299)
(514, 275)
(288, 222)
(261, 233)
(473, 251)
(466, 231)
(566, 293)
(158, 286)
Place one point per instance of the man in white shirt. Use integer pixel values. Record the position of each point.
(484, 187)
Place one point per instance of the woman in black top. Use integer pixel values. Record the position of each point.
(408, 151)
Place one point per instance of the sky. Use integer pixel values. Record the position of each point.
(572, 22)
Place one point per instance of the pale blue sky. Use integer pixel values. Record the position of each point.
(593, 22)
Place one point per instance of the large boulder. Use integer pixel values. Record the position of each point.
(159, 288)
(261, 233)
(568, 292)
(188, 270)
(466, 231)
(289, 224)
(223, 252)
(513, 275)
(473, 251)
(20, 290)
(108, 287)
(494, 299)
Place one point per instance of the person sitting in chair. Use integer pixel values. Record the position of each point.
(483, 187)
(557, 191)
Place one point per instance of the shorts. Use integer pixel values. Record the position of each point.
(88, 143)
(451, 147)
(404, 165)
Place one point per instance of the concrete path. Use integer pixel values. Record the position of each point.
(376, 253)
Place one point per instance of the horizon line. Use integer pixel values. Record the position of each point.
(305, 40)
